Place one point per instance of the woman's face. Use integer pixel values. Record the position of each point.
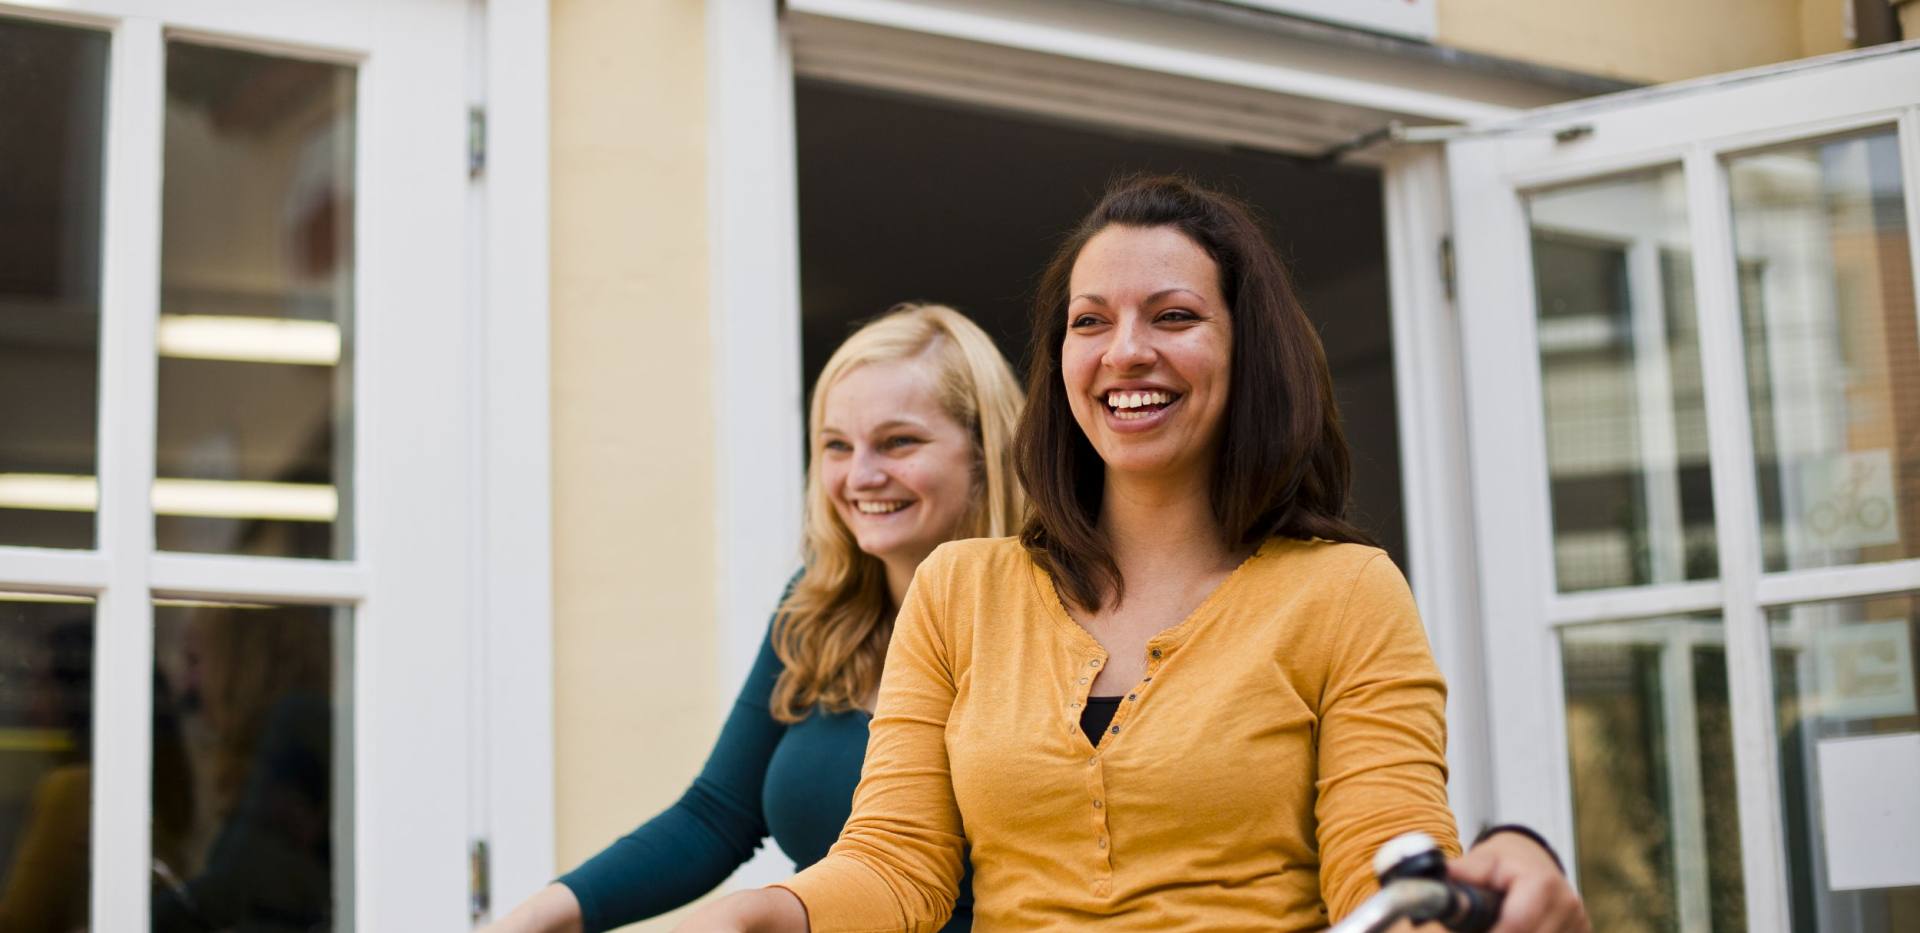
(1147, 356)
(897, 467)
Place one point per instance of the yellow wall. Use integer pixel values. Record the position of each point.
(1645, 40)
(636, 641)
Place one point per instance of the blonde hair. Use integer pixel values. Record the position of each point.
(833, 627)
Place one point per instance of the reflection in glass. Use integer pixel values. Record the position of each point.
(46, 776)
(1833, 362)
(1650, 736)
(256, 306)
(1620, 376)
(1849, 721)
(257, 768)
(52, 101)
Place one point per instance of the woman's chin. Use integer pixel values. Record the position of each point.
(883, 546)
(1142, 464)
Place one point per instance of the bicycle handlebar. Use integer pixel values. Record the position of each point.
(1414, 886)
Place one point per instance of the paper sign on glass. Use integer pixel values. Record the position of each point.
(1869, 813)
(1848, 500)
(1865, 670)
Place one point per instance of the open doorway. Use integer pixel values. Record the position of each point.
(905, 198)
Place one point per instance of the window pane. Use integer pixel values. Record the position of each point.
(46, 748)
(1656, 824)
(1826, 295)
(1844, 679)
(52, 100)
(251, 767)
(1620, 372)
(256, 306)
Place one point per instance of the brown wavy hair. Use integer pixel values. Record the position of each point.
(833, 626)
(1283, 469)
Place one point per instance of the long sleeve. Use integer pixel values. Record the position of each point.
(1382, 740)
(694, 845)
(898, 863)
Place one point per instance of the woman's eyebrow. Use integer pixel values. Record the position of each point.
(1156, 296)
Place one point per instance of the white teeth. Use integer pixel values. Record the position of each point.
(1126, 400)
(870, 507)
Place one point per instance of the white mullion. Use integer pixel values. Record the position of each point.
(256, 579)
(1736, 511)
(1635, 602)
(123, 655)
(48, 570)
(1830, 583)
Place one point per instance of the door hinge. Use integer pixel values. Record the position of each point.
(476, 141)
(478, 884)
(1446, 265)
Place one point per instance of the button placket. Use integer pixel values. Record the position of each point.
(1102, 845)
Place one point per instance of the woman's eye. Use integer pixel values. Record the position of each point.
(1178, 315)
(1084, 320)
(837, 446)
(896, 443)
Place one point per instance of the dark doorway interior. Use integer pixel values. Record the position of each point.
(911, 199)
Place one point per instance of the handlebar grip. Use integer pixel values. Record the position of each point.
(1476, 909)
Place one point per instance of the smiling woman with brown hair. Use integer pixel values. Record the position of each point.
(1189, 695)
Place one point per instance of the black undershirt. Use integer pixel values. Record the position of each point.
(1094, 719)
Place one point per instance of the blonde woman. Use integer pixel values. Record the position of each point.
(911, 430)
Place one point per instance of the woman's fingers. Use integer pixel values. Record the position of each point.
(1538, 898)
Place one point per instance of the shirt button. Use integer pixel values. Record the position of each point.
(1074, 705)
(1133, 696)
(1116, 730)
(1094, 760)
(1103, 842)
(1096, 805)
(1155, 653)
(1094, 663)
(1083, 680)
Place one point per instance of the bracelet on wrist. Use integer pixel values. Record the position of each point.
(1520, 830)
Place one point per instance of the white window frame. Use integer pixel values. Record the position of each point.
(450, 580)
(1693, 126)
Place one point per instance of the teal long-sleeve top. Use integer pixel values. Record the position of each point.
(764, 777)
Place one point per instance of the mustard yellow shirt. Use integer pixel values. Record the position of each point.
(1289, 726)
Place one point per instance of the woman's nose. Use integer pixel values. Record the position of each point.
(1129, 348)
(867, 473)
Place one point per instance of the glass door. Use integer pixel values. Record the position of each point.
(1693, 377)
(235, 481)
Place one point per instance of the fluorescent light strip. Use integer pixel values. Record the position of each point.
(201, 498)
(205, 604)
(49, 492)
(249, 339)
(220, 498)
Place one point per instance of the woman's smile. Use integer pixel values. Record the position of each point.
(1138, 410)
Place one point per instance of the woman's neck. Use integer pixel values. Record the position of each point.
(899, 574)
(1158, 528)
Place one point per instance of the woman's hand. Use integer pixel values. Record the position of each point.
(1538, 897)
(553, 909)
(763, 910)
